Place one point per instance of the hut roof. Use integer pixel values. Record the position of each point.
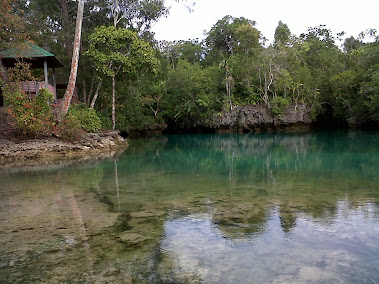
(30, 53)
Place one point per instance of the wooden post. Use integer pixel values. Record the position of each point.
(45, 69)
(55, 85)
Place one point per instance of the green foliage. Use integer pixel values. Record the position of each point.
(192, 93)
(120, 52)
(355, 92)
(70, 129)
(84, 117)
(114, 50)
(278, 106)
(191, 51)
(135, 113)
(309, 69)
(247, 39)
(351, 44)
(370, 90)
(33, 117)
(221, 40)
(12, 27)
(282, 35)
(252, 99)
(20, 72)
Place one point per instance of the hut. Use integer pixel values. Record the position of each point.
(37, 57)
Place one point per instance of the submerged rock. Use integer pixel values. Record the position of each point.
(112, 271)
(133, 239)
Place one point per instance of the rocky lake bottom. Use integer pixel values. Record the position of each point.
(254, 208)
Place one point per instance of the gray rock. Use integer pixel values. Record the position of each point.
(255, 117)
(46, 148)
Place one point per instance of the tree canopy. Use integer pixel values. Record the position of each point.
(234, 65)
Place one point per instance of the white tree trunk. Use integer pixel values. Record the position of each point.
(96, 95)
(113, 103)
(65, 104)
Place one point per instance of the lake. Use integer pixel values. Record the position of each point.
(249, 208)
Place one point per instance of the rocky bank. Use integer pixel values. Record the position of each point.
(254, 118)
(14, 149)
(51, 148)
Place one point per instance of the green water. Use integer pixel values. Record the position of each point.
(263, 208)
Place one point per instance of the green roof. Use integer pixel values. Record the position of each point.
(30, 53)
(28, 50)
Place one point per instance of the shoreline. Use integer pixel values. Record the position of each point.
(18, 152)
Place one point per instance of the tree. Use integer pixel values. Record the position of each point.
(65, 104)
(243, 63)
(228, 83)
(53, 26)
(12, 32)
(137, 14)
(192, 51)
(282, 35)
(352, 44)
(269, 70)
(247, 39)
(221, 39)
(12, 27)
(356, 98)
(192, 93)
(115, 51)
(228, 37)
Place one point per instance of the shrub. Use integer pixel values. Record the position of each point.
(70, 129)
(33, 117)
(278, 106)
(85, 117)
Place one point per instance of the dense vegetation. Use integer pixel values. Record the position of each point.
(180, 83)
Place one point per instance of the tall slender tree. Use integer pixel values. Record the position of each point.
(115, 51)
(66, 101)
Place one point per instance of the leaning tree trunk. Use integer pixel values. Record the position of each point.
(65, 104)
(95, 95)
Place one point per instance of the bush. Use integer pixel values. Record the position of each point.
(84, 117)
(33, 117)
(70, 129)
(278, 106)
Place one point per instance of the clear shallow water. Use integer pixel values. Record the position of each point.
(263, 208)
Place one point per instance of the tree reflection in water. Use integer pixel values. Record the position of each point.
(190, 208)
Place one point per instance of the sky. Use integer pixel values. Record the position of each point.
(350, 16)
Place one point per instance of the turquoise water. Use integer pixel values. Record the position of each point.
(254, 208)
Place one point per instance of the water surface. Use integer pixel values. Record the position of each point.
(257, 208)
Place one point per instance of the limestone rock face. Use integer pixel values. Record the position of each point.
(295, 114)
(255, 117)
